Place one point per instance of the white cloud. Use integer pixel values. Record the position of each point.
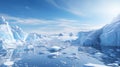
(68, 5)
(27, 7)
(52, 26)
(88, 8)
(33, 21)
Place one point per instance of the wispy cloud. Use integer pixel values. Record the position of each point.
(68, 5)
(27, 7)
(24, 20)
(89, 8)
(53, 26)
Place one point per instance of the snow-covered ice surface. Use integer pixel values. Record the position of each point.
(98, 48)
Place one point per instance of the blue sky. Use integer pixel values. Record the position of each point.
(52, 16)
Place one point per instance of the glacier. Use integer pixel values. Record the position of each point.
(105, 39)
(18, 33)
(18, 48)
(109, 35)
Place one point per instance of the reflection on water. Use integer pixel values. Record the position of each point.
(42, 56)
(61, 55)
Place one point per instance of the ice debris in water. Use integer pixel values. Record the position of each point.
(53, 55)
(54, 49)
(8, 63)
(30, 47)
(94, 65)
(72, 57)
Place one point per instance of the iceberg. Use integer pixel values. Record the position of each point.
(2, 20)
(5, 30)
(32, 37)
(18, 33)
(105, 39)
(109, 35)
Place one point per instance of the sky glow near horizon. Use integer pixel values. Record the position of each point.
(52, 16)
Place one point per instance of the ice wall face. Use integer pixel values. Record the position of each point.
(81, 37)
(93, 39)
(10, 37)
(2, 20)
(106, 40)
(90, 38)
(32, 37)
(111, 35)
(10, 33)
(18, 33)
(5, 30)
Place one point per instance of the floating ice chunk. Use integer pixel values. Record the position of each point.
(40, 53)
(9, 63)
(53, 55)
(30, 47)
(72, 57)
(98, 54)
(94, 65)
(64, 62)
(54, 48)
(118, 50)
(113, 64)
(74, 54)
